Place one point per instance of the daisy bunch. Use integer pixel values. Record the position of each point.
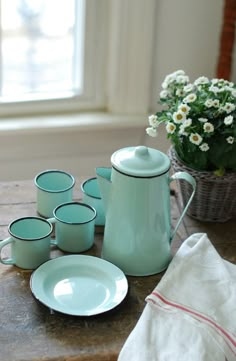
(200, 121)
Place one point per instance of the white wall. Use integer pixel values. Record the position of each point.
(76, 152)
(186, 37)
(75, 148)
(184, 34)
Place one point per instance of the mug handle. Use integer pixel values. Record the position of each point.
(188, 178)
(53, 242)
(3, 244)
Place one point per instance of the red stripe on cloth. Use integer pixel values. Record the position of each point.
(197, 314)
(216, 330)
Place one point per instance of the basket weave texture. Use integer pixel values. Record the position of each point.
(215, 197)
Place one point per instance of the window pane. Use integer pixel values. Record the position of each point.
(39, 52)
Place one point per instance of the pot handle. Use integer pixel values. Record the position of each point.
(188, 178)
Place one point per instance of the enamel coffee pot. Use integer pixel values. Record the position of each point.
(136, 198)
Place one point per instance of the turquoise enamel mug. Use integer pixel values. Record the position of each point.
(53, 188)
(74, 226)
(30, 239)
(92, 196)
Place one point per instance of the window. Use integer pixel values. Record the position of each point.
(47, 55)
(41, 51)
(109, 51)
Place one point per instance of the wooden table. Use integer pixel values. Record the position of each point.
(29, 331)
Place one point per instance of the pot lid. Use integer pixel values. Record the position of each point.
(140, 161)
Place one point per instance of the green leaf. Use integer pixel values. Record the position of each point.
(219, 172)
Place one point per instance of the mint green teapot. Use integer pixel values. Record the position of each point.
(136, 198)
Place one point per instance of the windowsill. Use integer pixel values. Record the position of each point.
(69, 122)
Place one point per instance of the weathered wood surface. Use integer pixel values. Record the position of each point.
(29, 331)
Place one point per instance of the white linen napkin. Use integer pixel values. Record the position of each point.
(191, 314)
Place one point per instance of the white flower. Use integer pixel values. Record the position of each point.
(201, 80)
(221, 110)
(164, 94)
(179, 72)
(169, 79)
(230, 140)
(203, 120)
(183, 108)
(209, 103)
(223, 89)
(170, 127)
(179, 117)
(153, 121)
(214, 80)
(195, 138)
(151, 132)
(164, 85)
(190, 98)
(226, 88)
(208, 127)
(182, 130)
(214, 89)
(204, 147)
(180, 92)
(229, 107)
(228, 120)
(187, 122)
(188, 88)
(216, 103)
(182, 79)
(233, 93)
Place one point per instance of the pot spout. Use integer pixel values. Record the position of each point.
(104, 183)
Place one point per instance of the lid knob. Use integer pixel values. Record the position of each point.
(141, 151)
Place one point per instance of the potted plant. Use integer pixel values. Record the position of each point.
(200, 121)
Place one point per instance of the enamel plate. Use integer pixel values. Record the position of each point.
(79, 285)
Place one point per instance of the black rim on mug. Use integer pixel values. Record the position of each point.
(31, 238)
(79, 204)
(37, 177)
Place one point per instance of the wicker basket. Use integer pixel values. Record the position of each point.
(215, 197)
